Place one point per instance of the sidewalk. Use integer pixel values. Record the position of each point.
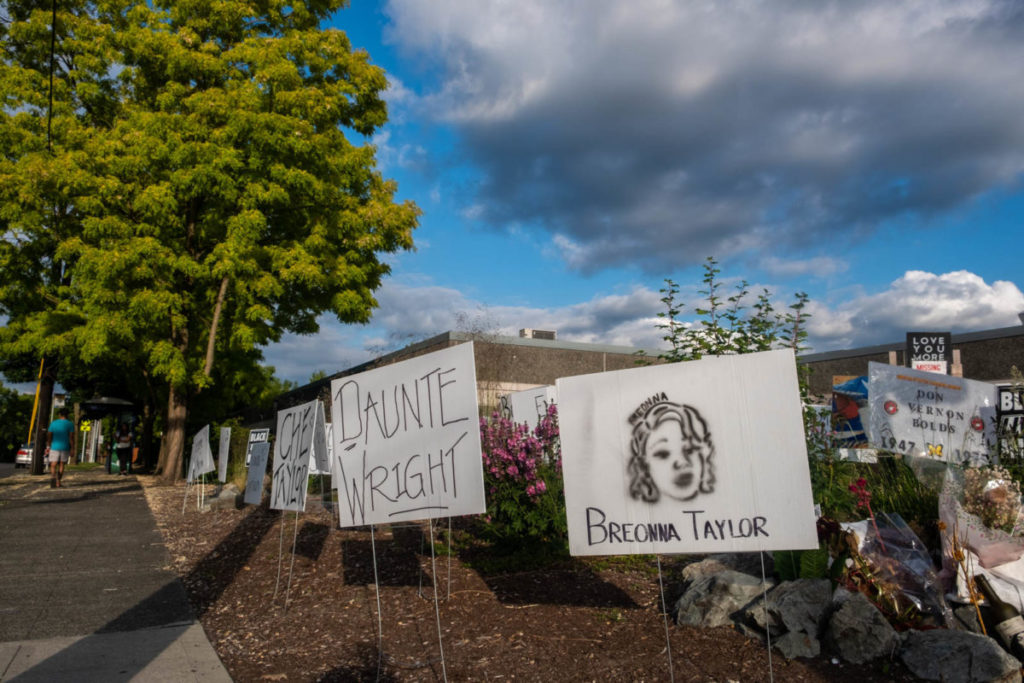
(86, 588)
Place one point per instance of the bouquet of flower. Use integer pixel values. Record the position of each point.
(992, 495)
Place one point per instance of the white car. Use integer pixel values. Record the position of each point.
(24, 456)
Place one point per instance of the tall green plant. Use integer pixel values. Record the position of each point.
(725, 324)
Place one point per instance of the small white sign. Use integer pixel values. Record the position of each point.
(223, 453)
(936, 366)
(260, 452)
(292, 446)
(921, 414)
(531, 405)
(407, 440)
(201, 460)
(696, 457)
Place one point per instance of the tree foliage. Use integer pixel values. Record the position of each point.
(206, 186)
(729, 323)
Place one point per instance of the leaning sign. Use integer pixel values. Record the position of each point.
(201, 460)
(297, 429)
(531, 405)
(407, 440)
(697, 457)
(917, 413)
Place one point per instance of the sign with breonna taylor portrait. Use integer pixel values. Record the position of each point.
(919, 413)
(407, 440)
(695, 457)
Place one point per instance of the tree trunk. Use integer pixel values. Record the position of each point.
(146, 441)
(174, 436)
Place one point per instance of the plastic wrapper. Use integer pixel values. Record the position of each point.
(982, 507)
(900, 564)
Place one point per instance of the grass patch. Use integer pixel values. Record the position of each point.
(83, 467)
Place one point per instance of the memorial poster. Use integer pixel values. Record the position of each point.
(697, 457)
(922, 414)
(407, 440)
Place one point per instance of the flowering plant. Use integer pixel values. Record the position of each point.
(523, 475)
(860, 489)
(992, 495)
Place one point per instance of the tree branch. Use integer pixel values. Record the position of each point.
(208, 367)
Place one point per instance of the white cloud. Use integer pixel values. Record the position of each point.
(958, 301)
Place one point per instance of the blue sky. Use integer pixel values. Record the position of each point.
(569, 155)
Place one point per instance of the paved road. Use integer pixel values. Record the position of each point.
(86, 588)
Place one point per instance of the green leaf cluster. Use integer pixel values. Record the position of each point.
(728, 323)
(203, 183)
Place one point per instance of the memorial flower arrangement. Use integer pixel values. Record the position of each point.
(523, 476)
(993, 495)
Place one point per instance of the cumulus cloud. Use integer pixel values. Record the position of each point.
(412, 312)
(656, 133)
(958, 301)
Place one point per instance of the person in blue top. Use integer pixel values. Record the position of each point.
(59, 443)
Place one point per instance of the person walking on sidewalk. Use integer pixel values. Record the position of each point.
(124, 445)
(60, 440)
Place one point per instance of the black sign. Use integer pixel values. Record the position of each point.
(1010, 416)
(929, 346)
(255, 436)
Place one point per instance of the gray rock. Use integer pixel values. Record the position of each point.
(227, 498)
(944, 655)
(712, 600)
(746, 563)
(795, 613)
(965, 618)
(858, 632)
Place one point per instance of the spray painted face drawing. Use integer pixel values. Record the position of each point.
(671, 452)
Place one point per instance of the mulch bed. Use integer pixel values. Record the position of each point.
(592, 620)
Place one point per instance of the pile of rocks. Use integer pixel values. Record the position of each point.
(805, 617)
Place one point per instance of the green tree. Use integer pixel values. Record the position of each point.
(15, 411)
(212, 180)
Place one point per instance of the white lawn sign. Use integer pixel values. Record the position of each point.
(407, 440)
(926, 415)
(319, 461)
(201, 460)
(260, 451)
(531, 405)
(223, 453)
(698, 457)
(290, 471)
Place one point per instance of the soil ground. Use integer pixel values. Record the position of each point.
(316, 615)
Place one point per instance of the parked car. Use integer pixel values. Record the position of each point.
(24, 456)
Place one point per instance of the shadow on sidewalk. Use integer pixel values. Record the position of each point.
(165, 608)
